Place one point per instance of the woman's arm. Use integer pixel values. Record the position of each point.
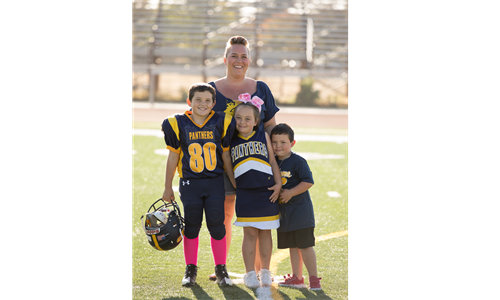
(276, 171)
(269, 125)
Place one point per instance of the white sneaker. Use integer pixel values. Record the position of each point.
(265, 277)
(251, 280)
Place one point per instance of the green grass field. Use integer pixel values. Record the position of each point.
(157, 274)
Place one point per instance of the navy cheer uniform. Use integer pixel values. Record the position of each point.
(200, 167)
(254, 176)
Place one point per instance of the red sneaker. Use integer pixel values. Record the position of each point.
(292, 281)
(314, 284)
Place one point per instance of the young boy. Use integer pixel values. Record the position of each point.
(296, 230)
(199, 141)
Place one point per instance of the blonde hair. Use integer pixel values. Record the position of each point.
(237, 40)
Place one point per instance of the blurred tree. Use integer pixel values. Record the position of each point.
(306, 96)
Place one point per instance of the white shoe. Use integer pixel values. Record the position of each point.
(251, 280)
(265, 277)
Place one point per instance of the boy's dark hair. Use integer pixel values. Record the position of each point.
(283, 128)
(201, 87)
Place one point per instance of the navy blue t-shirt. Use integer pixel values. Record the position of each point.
(297, 213)
(267, 112)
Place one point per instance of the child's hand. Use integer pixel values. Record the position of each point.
(168, 195)
(276, 192)
(285, 195)
(233, 181)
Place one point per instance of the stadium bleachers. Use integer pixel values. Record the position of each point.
(190, 35)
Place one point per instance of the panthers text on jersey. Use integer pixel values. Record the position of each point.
(251, 161)
(200, 146)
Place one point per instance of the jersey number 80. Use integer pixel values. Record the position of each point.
(197, 161)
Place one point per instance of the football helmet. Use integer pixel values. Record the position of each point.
(163, 225)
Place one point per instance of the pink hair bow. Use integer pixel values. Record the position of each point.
(255, 101)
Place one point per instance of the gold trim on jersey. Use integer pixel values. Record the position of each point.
(178, 150)
(188, 113)
(227, 121)
(250, 159)
(252, 163)
(179, 165)
(172, 120)
(257, 219)
(247, 138)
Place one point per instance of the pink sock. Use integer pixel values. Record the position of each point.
(191, 250)
(219, 250)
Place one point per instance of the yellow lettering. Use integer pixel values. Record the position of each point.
(208, 135)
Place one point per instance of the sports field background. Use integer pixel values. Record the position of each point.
(328, 161)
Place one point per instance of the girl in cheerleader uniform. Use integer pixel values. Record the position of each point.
(257, 179)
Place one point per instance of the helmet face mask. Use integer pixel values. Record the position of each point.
(164, 226)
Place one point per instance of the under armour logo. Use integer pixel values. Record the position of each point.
(185, 182)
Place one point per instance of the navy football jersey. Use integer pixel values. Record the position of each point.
(200, 146)
(251, 161)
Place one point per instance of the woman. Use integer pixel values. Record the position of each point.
(237, 60)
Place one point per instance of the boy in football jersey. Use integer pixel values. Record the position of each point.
(199, 141)
(296, 230)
